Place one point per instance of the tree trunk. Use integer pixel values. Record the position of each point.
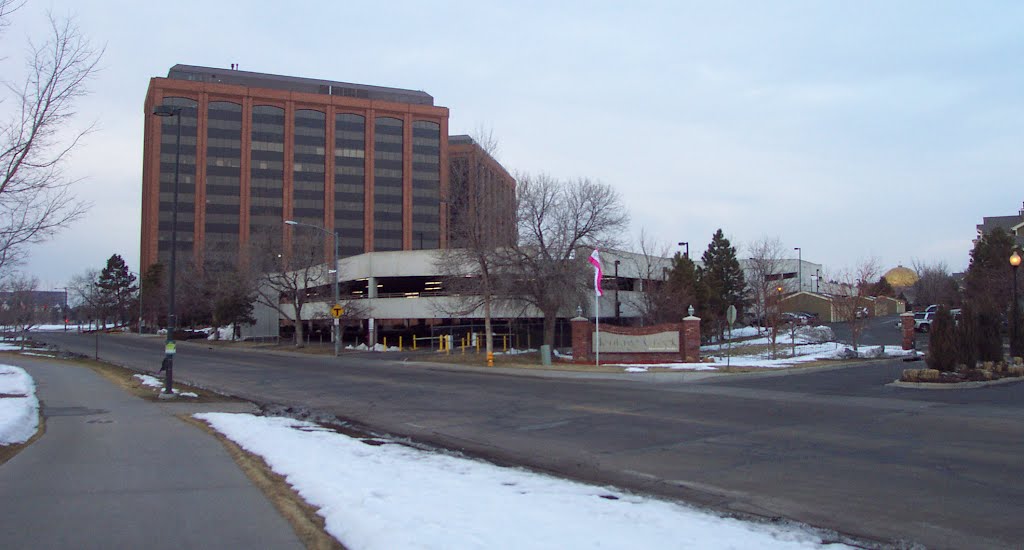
(488, 330)
(550, 319)
(300, 338)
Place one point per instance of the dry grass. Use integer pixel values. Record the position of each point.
(307, 524)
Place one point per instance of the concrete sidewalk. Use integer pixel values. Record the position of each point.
(116, 471)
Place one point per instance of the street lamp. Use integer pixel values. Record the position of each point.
(334, 329)
(686, 253)
(616, 291)
(799, 269)
(172, 320)
(1014, 340)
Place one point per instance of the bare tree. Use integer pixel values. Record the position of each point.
(87, 297)
(284, 281)
(20, 305)
(555, 220)
(35, 194)
(469, 264)
(853, 306)
(651, 268)
(935, 285)
(764, 265)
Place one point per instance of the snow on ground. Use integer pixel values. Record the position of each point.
(152, 382)
(387, 495)
(376, 347)
(8, 346)
(804, 353)
(19, 407)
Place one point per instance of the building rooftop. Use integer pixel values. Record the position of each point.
(297, 84)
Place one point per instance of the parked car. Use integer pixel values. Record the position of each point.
(923, 321)
(861, 312)
(812, 318)
(792, 317)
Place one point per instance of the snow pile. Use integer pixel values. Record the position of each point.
(376, 347)
(19, 407)
(152, 382)
(804, 353)
(385, 495)
(515, 351)
(221, 333)
(7, 346)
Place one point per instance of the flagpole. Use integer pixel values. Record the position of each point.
(597, 331)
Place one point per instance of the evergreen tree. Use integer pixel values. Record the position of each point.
(881, 288)
(154, 296)
(989, 277)
(967, 337)
(942, 345)
(117, 289)
(681, 289)
(723, 278)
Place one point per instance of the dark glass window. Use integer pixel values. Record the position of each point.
(426, 184)
(309, 167)
(350, 181)
(223, 181)
(266, 176)
(186, 179)
(387, 184)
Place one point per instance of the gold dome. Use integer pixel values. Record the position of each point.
(900, 276)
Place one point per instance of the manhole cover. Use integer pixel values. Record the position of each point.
(71, 411)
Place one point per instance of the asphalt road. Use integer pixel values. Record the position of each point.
(836, 449)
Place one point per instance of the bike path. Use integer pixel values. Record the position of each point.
(116, 471)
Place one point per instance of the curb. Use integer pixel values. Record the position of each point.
(953, 385)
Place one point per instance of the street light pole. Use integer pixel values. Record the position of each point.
(686, 253)
(172, 320)
(1014, 339)
(335, 332)
(616, 291)
(799, 269)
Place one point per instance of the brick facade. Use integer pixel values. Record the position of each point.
(907, 325)
(689, 342)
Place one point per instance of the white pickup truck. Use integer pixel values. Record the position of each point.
(923, 321)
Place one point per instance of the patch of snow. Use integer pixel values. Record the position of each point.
(5, 346)
(19, 414)
(394, 496)
(515, 351)
(221, 333)
(153, 382)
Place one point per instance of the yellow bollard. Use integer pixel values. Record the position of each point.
(448, 344)
(414, 343)
(490, 359)
(504, 342)
(463, 345)
(399, 343)
(385, 343)
(478, 343)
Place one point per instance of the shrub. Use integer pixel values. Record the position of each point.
(942, 348)
(990, 342)
(910, 375)
(967, 338)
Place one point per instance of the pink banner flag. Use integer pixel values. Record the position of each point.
(595, 260)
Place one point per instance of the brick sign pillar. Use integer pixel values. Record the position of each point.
(582, 335)
(689, 340)
(907, 320)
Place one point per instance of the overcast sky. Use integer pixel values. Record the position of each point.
(849, 129)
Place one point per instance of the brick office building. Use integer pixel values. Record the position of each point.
(258, 149)
(483, 196)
